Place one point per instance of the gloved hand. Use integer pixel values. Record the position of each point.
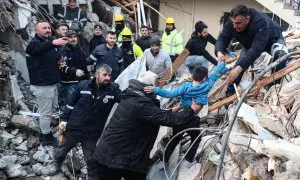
(232, 54)
(79, 73)
(225, 70)
(62, 125)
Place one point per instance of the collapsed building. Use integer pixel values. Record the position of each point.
(263, 142)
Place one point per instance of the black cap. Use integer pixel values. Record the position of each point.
(154, 41)
(71, 32)
(199, 26)
(62, 24)
(98, 26)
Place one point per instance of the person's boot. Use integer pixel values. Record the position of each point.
(49, 140)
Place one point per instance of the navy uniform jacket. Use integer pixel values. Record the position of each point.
(258, 37)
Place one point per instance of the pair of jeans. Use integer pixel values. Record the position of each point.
(46, 97)
(106, 173)
(88, 145)
(192, 61)
(65, 92)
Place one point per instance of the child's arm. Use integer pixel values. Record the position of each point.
(170, 94)
(216, 73)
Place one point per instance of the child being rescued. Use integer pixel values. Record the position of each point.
(196, 90)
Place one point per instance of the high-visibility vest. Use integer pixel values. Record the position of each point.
(172, 43)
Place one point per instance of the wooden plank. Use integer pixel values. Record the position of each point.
(265, 81)
(176, 64)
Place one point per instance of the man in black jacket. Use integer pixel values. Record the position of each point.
(61, 29)
(42, 63)
(85, 116)
(197, 44)
(108, 53)
(72, 66)
(257, 33)
(97, 38)
(143, 41)
(124, 148)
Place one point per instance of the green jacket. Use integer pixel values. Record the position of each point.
(172, 43)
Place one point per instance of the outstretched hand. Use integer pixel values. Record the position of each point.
(149, 89)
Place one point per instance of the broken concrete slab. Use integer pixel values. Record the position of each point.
(59, 176)
(282, 148)
(6, 136)
(32, 141)
(25, 122)
(15, 132)
(23, 146)
(7, 160)
(15, 170)
(17, 141)
(39, 169)
(41, 156)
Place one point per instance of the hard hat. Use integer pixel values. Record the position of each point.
(170, 20)
(126, 32)
(118, 17)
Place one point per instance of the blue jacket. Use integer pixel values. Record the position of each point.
(77, 15)
(42, 62)
(89, 107)
(259, 35)
(187, 91)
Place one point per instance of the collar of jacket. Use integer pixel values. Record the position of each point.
(41, 39)
(138, 88)
(170, 31)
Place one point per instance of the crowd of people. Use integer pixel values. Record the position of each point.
(84, 84)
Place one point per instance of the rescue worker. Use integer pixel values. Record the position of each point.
(123, 150)
(157, 60)
(172, 42)
(130, 50)
(108, 53)
(73, 15)
(85, 116)
(143, 40)
(42, 63)
(257, 33)
(72, 66)
(97, 39)
(197, 44)
(61, 29)
(119, 26)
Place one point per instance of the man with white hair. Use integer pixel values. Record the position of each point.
(124, 148)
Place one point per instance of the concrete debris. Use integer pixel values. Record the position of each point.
(32, 141)
(42, 157)
(39, 169)
(3, 175)
(6, 136)
(59, 176)
(7, 160)
(17, 140)
(15, 132)
(15, 170)
(23, 146)
(27, 122)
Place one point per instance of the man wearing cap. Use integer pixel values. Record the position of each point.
(97, 39)
(172, 42)
(157, 60)
(143, 40)
(61, 29)
(73, 15)
(130, 50)
(197, 44)
(123, 150)
(108, 53)
(72, 66)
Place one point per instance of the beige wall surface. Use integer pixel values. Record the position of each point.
(208, 11)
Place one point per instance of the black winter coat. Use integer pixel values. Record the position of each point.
(130, 135)
(96, 41)
(196, 45)
(89, 107)
(143, 42)
(74, 58)
(258, 37)
(42, 62)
